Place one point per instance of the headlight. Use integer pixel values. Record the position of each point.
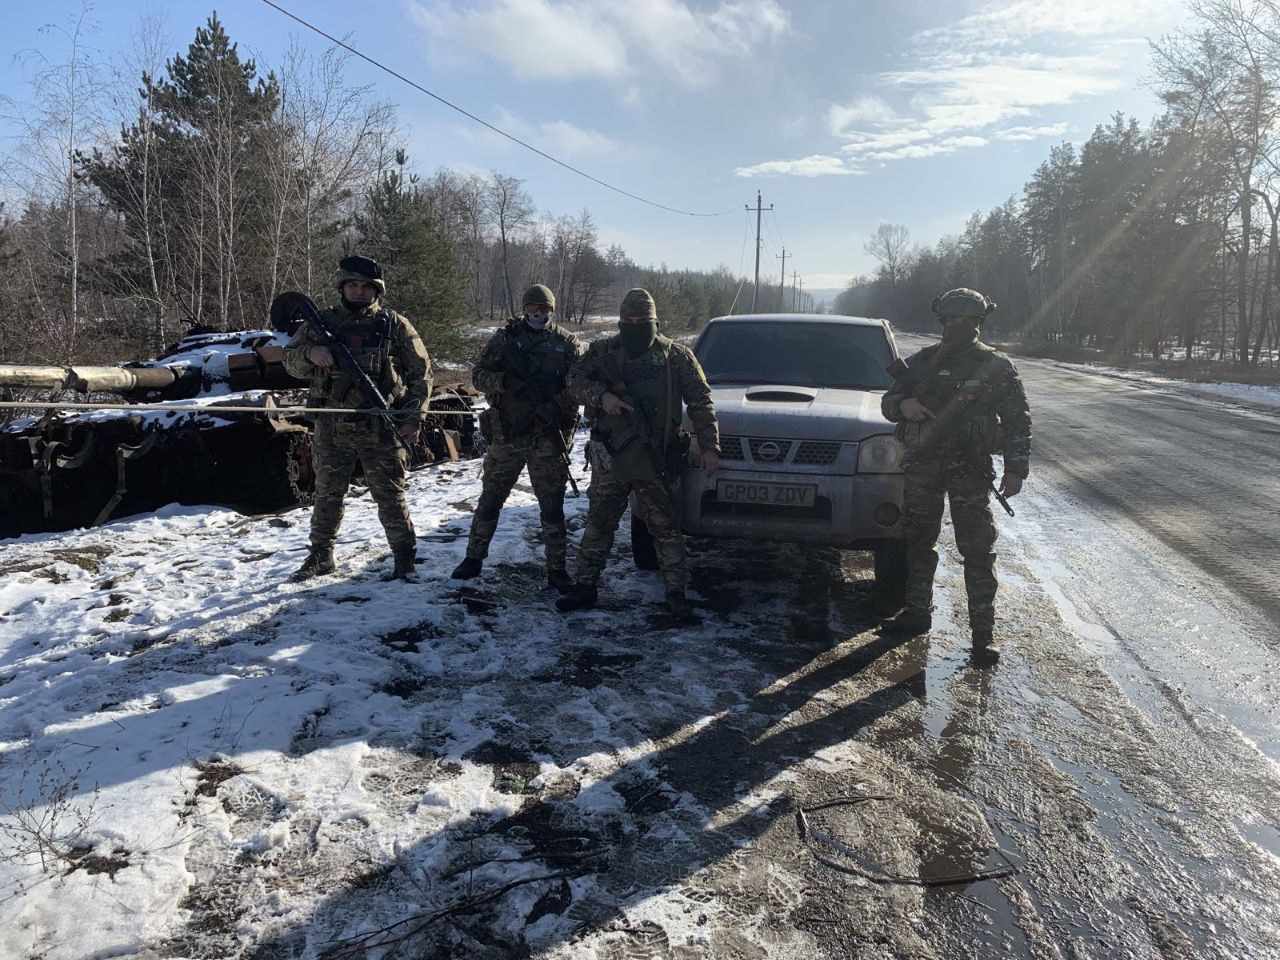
(881, 454)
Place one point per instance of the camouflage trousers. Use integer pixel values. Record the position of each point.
(967, 484)
(548, 473)
(609, 497)
(337, 445)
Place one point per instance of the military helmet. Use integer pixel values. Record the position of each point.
(539, 295)
(638, 305)
(962, 302)
(362, 270)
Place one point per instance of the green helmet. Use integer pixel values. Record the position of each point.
(362, 270)
(963, 302)
(539, 295)
(638, 305)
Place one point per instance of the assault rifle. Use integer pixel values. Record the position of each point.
(290, 307)
(911, 379)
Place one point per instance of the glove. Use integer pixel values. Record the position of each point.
(1010, 484)
(914, 410)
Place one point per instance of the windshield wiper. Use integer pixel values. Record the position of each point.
(745, 383)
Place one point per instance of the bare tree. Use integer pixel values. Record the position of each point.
(1224, 78)
(61, 119)
(512, 210)
(890, 245)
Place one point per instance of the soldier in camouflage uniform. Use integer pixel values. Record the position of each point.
(632, 385)
(960, 402)
(389, 349)
(530, 422)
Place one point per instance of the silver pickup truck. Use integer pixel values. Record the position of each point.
(806, 456)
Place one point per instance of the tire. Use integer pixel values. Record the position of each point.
(891, 571)
(643, 549)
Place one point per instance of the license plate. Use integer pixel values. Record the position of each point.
(768, 494)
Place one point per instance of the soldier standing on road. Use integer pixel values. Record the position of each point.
(632, 385)
(530, 421)
(952, 407)
(388, 348)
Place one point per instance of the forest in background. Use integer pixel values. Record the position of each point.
(1144, 242)
(182, 191)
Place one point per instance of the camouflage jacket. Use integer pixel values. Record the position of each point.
(977, 400)
(647, 376)
(521, 371)
(384, 343)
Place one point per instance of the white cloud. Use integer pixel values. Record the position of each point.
(817, 165)
(1018, 134)
(562, 39)
(867, 110)
(999, 67)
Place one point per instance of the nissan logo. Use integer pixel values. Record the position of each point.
(769, 451)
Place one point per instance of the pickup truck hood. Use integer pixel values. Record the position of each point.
(799, 413)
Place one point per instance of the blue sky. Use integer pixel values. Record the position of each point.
(844, 115)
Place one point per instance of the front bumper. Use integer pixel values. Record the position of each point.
(851, 511)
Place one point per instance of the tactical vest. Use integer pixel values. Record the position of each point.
(957, 388)
(647, 443)
(541, 360)
(370, 344)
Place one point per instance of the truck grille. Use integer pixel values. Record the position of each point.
(817, 453)
(765, 450)
(731, 448)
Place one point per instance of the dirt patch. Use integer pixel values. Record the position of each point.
(408, 639)
(513, 769)
(83, 858)
(588, 668)
(87, 558)
(404, 685)
(212, 775)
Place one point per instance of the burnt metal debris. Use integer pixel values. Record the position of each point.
(62, 469)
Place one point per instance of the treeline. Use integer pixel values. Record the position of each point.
(1143, 241)
(187, 191)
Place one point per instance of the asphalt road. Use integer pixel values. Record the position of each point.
(1125, 753)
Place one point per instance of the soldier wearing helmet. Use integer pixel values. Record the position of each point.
(957, 403)
(634, 385)
(530, 424)
(389, 349)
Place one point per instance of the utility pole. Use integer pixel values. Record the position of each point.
(795, 293)
(800, 293)
(782, 284)
(755, 295)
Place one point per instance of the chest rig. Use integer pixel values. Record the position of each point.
(370, 344)
(958, 388)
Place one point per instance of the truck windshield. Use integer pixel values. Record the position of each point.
(799, 354)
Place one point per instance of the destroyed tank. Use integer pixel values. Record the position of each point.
(170, 442)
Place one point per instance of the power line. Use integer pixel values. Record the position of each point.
(484, 123)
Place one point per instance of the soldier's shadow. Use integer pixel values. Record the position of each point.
(676, 808)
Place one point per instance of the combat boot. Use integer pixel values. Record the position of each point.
(318, 563)
(582, 596)
(985, 648)
(403, 569)
(680, 608)
(909, 623)
(558, 577)
(468, 569)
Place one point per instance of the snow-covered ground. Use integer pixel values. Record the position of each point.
(1262, 394)
(208, 756)
(197, 756)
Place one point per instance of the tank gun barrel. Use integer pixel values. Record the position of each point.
(86, 379)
